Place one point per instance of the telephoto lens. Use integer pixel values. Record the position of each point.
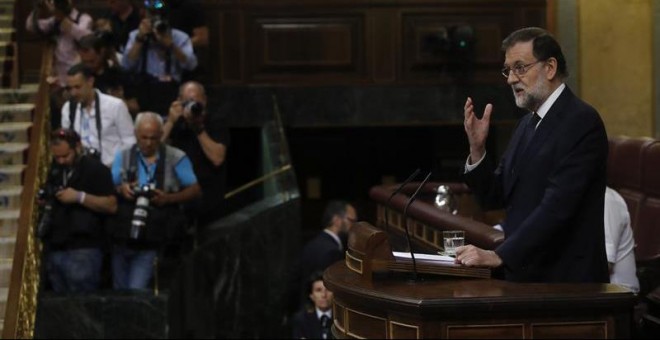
(141, 212)
(196, 108)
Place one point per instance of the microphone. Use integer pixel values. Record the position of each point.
(396, 191)
(405, 218)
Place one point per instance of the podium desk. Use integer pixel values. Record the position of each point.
(449, 307)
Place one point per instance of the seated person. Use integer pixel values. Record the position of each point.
(314, 322)
(619, 242)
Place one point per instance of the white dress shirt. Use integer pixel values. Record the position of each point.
(619, 242)
(116, 125)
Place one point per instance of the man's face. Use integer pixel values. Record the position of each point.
(148, 135)
(63, 154)
(321, 297)
(194, 93)
(80, 89)
(349, 219)
(91, 59)
(532, 88)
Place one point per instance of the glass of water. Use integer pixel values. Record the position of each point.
(452, 240)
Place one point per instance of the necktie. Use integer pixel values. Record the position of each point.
(325, 326)
(529, 131)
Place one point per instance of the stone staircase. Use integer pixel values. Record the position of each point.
(16, 109)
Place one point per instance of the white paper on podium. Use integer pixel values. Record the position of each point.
(420, 256)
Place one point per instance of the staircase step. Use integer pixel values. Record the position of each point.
(11, 175)
(16, 112)
(5, 272)
(7, 244)
(9, 222)
(4, 293)
(14, 132)
(10, 198)
(12, 153)
(27, 93)
(6, 33)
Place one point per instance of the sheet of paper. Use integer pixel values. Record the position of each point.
(420, 256)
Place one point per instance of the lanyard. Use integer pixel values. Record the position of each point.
(97, 107)
(151, 176)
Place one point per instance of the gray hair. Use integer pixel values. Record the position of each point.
(148, 116)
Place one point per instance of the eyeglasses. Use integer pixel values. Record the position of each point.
(518, 70)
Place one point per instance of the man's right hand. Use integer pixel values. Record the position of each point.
(126, 190)
(145, 28)
(476, 129)
(176, 111)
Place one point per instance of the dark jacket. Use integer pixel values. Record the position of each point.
(553, 193)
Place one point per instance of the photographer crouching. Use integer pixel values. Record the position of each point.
(153, 180)
(77, 195)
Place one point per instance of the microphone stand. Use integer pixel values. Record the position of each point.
(405, 217)
(396, 191)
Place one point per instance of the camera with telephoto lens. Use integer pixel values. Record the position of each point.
(46, 194)
(143, 195)
(196, 108)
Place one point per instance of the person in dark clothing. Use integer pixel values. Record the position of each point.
(191, 128)
(79, 192)
(314, 322)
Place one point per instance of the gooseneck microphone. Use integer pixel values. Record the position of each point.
(396, 191)
(405, 219)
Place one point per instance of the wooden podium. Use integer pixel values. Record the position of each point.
(370, 302)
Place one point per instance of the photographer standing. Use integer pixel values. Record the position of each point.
(60, 22)
(152, 180)
(103, 121)
(157, 54)
(190, 128)
(79, 191)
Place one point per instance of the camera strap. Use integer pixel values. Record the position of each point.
(97, 106)
(159, 174)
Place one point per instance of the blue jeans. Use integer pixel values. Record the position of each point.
(75, 271)
(132, 269)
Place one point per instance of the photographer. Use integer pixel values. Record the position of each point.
(157, 55)
(205, 140)
(152, 180)
(78, 192)
(103, 121)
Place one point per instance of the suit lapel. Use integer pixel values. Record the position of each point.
(547, 128)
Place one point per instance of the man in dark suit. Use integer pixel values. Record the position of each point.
(314, 322)
(551, 179)
(328, 246)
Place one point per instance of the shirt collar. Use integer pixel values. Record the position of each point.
(335, 237)
(545, 107)
(320, 313)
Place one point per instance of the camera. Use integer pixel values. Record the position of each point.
(196, 108)
(143, 195)
(160, 25)
(47, 195)
(92, 152)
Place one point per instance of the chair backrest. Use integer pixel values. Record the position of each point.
(624, 172)
(647, 229)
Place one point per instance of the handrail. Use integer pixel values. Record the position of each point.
(24, 281)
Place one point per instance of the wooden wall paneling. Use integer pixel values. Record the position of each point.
(229, 63)
(306, 46)
(384, 42)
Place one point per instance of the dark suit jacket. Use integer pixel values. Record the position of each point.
(319, 254)
(307, 325)
(553, 193)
